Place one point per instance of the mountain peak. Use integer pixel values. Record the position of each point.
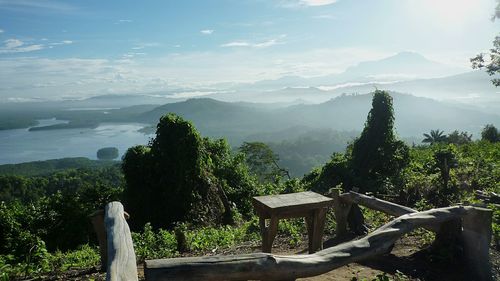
(408, 56)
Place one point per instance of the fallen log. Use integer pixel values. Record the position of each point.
(261, 266)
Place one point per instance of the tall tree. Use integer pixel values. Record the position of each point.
(377, 156)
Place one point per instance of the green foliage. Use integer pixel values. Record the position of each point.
(107, 153)
(181, 176)
(263, 162)
(490, 133)
(151, 244)
(492, 63)
(459, 138)
(444, 174)
(41, 262)
(47, 167)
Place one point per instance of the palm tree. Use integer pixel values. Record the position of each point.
(434, 137)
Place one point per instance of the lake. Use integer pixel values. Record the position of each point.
(21, 145)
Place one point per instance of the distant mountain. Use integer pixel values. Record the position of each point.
(238, 122)
(402, 66)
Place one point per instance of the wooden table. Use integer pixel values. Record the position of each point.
(310, 205)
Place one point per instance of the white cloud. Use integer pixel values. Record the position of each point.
(123, 21)
(262, 44)
(236, 44)
(13, 43)
(305, 3)
(324, 16)
(317, 2)
(17, 46)
(36, 6)
(141, 46)
(64, 42)
(207, 31)
(27, 77)
(2, 31)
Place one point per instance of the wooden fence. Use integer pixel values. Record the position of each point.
(474, 231)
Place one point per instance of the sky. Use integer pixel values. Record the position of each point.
(71, 49)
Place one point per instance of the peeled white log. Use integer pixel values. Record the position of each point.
(122, 264)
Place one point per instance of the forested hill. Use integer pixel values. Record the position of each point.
(414, 115)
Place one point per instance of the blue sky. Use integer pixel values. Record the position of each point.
(60, 49)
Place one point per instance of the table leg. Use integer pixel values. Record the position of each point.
(268, 233)
(310, 229)
(319, 227)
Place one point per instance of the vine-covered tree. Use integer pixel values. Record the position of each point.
(377, 156)
(180, 176)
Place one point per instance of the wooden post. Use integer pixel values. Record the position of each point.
(476, 236)
(341, 210)
(97, 219)
(122, 264)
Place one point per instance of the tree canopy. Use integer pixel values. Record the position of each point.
(181, 176)
(490, 133)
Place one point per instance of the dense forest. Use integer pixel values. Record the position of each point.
(201, 187)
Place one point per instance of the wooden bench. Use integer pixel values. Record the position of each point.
(310, 205)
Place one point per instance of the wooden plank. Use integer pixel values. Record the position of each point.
(277, 267)
(289, 205)
(122, 264)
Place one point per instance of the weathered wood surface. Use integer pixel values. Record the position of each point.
(121, 264)
(310, 205)
(376, 204)
(277, 267)
(283, 205)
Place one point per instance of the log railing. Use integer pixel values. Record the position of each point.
(475, 233)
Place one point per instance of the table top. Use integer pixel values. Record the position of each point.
(292, 202)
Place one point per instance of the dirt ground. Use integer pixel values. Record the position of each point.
(408, 259)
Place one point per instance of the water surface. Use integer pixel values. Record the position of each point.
(21, 145)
